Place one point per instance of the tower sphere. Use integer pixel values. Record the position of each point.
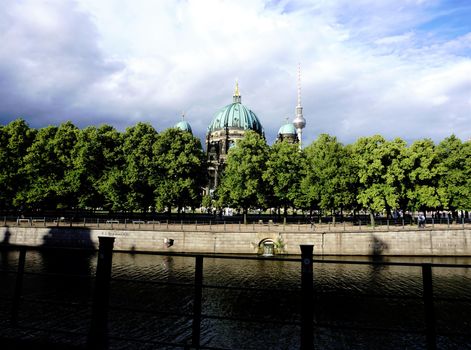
(299, 122)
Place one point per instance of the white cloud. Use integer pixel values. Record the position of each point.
(367, 66)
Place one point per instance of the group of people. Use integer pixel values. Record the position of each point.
(421, 220)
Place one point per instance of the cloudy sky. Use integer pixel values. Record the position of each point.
(400, 68)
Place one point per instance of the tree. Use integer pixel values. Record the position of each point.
(454, 183)
(381, 173)
(179, 170)
(48, 167)
(241, 183)
(328, 179)
(15, 138)
(138, 142)
(282, 175)
(421, 165)
(96, 153)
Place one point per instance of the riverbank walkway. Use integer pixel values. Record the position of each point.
(381, 224)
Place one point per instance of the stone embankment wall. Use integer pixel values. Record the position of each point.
(454, 242)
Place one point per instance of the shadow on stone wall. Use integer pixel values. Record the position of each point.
(377, 248)
(69, 238)
(5, 253)
(76, 256)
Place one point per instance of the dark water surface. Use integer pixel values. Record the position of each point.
(147, 314)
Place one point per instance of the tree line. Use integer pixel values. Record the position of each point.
(64, 167)
(372, 174)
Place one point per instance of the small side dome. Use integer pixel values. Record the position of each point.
(184, 126)
(287, 129)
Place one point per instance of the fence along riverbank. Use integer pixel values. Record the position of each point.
(92, 332)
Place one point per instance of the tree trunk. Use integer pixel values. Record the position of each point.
(372, 218)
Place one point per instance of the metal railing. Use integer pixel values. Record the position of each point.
(98, 337)
(234, 225)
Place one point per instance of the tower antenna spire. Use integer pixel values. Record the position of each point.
(299, 84)
(299, 121)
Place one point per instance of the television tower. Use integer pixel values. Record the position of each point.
(299, 122)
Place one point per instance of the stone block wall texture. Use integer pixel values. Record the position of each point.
(407, 242)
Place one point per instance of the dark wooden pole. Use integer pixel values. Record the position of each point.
(196, 326)
(98, 336)
(307, 303)
(18, 287)
(430, 331)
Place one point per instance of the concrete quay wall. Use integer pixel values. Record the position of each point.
(424, 242)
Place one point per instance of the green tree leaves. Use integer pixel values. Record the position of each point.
(282, 175)
(242, 184)
(328, 179)
(381, 175)
(179, 170)
(140, 170)
(454, 172)
(65, 167)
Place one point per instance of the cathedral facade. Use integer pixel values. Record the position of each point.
(230, 124)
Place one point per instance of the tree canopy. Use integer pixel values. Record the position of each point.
(242, 184)
(64, 167)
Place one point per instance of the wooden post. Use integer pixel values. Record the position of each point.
(98, 335)
(18, 287)
(307, 302)
(430, 332)
(196, 324)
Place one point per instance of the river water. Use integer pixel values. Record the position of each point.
(147, 314)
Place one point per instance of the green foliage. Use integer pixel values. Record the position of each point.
(328, 179)
(380, 172)
(48, 169)
(179, 170)
(454, 172)
(65, 167)
(97, 158)
(15, 138)
(137, 147)
(241, 184)
(282, 174)
(421, 165)
(207, 202)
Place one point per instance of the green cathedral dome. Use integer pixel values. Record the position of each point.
(184, 126)
(286, 129)
(236, 116)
